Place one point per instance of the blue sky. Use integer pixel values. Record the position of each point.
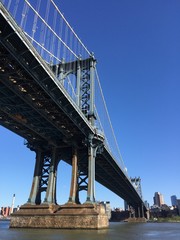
(137, 45)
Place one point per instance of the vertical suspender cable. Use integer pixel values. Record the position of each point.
(65, 40)
(24, 16)
(35, 19)
(49, 27)
(59, 56)
(15, 8)
(52, 47)
(9, 4)
(48, 32)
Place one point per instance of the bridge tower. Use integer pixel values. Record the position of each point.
(81, 155)
(47, 158)
(137, 213)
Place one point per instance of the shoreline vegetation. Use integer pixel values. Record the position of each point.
(174, 219)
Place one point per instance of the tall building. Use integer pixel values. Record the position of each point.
(158, 199)
(174, 200)
(12, 206)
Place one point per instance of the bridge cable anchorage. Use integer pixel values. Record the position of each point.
(102, 95)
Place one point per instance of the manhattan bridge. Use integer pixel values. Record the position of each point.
(50, 94)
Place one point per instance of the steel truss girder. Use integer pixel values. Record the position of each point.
(40, 129)
(85, 92)
(44, 179)
(45, 173)
(18, 128)
(40, 104)
(82, 183)
(29, 64)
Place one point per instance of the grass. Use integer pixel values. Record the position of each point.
(169, 219)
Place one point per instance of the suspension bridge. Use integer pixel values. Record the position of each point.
(50, 94)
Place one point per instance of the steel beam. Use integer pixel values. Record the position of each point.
(92, 91)
(92, 149)
(34, 197)
(50, 197)
(73, 188)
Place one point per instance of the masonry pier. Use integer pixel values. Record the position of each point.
(137, 214)
(72, 215)
(68, 216)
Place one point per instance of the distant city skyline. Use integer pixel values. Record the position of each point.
(158, 200)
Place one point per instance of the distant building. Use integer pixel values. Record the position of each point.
(107, 208)
(178, 205)
(174, 201)
(126, 206)
(5, 211)
(158, 199)
(146, 204)
(161, 199)
(12, 206)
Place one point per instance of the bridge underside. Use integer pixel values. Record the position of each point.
(34, 106)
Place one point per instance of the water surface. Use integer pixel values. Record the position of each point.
(116, 231)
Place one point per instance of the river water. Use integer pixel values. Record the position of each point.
(116, 231)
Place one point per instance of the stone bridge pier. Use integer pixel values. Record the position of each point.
(137, 214)
(46, 213)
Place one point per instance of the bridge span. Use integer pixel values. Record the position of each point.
(35, 105)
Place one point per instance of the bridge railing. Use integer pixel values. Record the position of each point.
(56, 42)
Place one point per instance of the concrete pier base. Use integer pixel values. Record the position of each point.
(68, 216)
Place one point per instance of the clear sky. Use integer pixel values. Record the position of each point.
(137, 45)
